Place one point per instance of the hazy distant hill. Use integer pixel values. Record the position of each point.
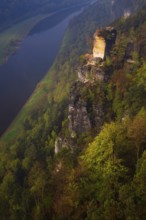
(11, 10)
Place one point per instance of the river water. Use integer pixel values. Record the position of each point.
(23, 70)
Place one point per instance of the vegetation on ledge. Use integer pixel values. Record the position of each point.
(102, 176)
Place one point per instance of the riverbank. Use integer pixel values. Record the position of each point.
(20, 75)
(11, 38)
(47, 87)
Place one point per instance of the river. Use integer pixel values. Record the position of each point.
(23, 70)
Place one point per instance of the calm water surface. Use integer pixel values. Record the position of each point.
(20, 75)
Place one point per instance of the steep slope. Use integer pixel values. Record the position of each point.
(78, 40)
(81, 181)
(109, 180)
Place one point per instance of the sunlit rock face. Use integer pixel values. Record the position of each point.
(99, 46)
(103, 41)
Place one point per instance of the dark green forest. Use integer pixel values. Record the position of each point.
(99, 174)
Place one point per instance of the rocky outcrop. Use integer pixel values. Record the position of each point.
(92, 70)
(110, 37)
(90, 74)
(84, 114)
(86, 110)
(78, 118)
(131, 50)
(60, 143)
(103, 41)
(99, 45)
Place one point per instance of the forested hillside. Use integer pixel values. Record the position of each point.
(61, 167)
(13, 10)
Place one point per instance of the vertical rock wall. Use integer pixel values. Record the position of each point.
(99, 46)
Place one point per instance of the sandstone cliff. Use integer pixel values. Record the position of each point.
(99, 46)
(104, 39)
(86, 108)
